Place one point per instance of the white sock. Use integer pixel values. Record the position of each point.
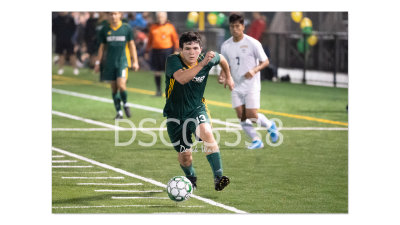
(120, 112)
(248, 128)
(263, 121)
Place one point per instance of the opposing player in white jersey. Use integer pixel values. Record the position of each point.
(246, 58)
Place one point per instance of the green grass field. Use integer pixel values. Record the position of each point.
(307, 173)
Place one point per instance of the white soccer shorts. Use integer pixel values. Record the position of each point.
(251, 100)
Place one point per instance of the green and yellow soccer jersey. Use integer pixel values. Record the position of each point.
(116, 40)
(183, 99)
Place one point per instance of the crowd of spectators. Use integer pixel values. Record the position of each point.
(75, 35)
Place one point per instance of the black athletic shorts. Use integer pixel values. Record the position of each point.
(158, 58)
(64, 46)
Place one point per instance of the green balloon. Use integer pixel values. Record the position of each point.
(220, 19)
(307, 30)
(300, 46)
(190, 24)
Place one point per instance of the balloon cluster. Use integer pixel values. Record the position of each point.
(306, 28)
(213, 18)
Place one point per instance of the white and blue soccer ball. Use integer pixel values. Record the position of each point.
(179, 188)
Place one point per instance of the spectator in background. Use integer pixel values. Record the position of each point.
(90, 37)
(162, 41)
(64, 28)
(78, 38)
(137, 21)
(257, 26)
(101, 22)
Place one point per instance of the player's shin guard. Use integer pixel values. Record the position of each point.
(216, 163)
(189, 170)
(124, 96)
(248, 128)
(263, 121)
(117, 101)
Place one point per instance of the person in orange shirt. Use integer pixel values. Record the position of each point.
(163, 41)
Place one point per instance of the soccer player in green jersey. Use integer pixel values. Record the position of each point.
(186, 78)
(117, 37)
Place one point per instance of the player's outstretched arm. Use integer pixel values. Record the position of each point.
(226, 73)
(99, 56)
(184, 76)
(133, 53)
(250, 74)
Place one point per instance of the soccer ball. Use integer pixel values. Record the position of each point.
(179, 188)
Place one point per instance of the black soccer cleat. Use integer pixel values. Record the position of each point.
(193, 180)
(127, 111)
(118, 117)
(221, 183)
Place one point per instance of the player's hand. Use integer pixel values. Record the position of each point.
(96, 68)
(230, 83)
(209, 56)
(250, 74)
(221, 79)
(135, 66)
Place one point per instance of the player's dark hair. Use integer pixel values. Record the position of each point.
(189, 37)
(236, 17)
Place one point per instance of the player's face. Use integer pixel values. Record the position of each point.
(237, 29)
(191, 52)
(162, 17)
(115, 17)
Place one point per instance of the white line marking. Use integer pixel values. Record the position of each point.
(79, 172)
(111, 184)
(143, 107)
(64, 161)
(215, 128)
(130, 191)
(98, 123)
(148, 108)
(211, 202)
(71, 166)
(120, 206)
(115, 197)
(82, 129)
(97, 178)
(57, 156)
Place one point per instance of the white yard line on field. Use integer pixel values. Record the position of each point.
(215, 128)
(123, 197)
(98, 123)
(148, 180)
(153, 109)
(71, 166)
(129, 191)
(64, 161)
(96, 178)
(121, 206)
(110, 184)
(79, 172)
(137, 106)
(57, 156)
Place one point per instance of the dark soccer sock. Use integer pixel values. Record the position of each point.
(216, 163)
(189, 171)
(124, 96)
(158, 82)
(117, 101)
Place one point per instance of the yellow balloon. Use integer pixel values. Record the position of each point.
(312, 40)
(212, 18)
(305, 22)
(297, 16)
(193, 17)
